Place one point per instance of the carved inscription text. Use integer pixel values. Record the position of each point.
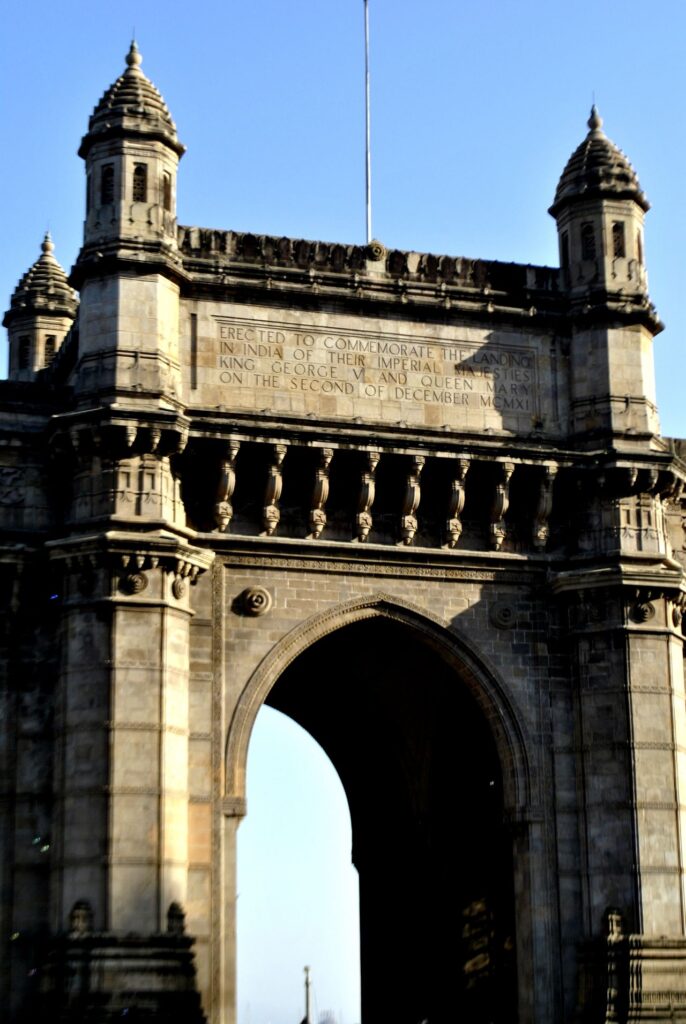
(415, 374)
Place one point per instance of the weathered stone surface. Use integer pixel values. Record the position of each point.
(420, 503)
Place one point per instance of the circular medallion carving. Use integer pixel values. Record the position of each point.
(178, 588)
(502, 614)
(134, 583)
(642, 611)
(375, 250)
(255, 601)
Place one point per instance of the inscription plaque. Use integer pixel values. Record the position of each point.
(377, 376)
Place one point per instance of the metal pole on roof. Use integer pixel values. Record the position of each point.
(368, 147)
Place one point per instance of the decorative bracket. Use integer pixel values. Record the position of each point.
(363, 519)
(501, 503)
(541, 529)
(458, 495)
(223, 509)
(413, 494)
(271, 513)
(320, 494)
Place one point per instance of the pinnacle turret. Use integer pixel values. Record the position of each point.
(42, 309)
(43, 288)
(131, 106)
(597, 168)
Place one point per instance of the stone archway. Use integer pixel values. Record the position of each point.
(431, 762)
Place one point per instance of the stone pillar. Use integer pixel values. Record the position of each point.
(121, 764)
(626, 644)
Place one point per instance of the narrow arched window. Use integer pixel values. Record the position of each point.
(167, 191)
(50, 346)
(639, 247)
(106, 184)
(89, 185)
(24, 352)
(587, 242)
(564, 250)
(618, 243)
(140, 183)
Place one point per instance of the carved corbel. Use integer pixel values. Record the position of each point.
(223, 509)
(541, 530)
(501, 503)
(458, 495)
(413, 494)
(271, 514)
(320, 494)
(363, 519)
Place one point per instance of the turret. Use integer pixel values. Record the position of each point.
(599, 208)
(132, 153)
(128, 269)
(42, 310)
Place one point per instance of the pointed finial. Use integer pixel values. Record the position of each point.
(595, 121)
(47, 244)
(133, 57)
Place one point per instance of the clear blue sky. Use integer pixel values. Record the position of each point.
(476, 108)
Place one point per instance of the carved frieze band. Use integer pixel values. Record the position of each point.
(131, 568)
(118, 438)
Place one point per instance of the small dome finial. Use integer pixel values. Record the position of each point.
(47, 245)
(595, 121)
(133, 57)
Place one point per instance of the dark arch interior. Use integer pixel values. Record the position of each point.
(424, 784)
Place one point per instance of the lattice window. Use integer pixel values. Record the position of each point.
(106, 184)
(588, 249)
(618, 243)
(24, 352)
(140, 183)
(50, 347)
(167, 191)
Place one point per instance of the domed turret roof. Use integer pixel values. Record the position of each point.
(131, 105)
(43, 288)
(597, 169)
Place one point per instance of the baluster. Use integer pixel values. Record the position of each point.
(413, 495)
(223, 509)
(320, 494)
(541, 530)
(363, 519)
(458, 495)
(501, 503)
(271, 514)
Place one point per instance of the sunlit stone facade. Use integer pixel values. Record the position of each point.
(419, 503)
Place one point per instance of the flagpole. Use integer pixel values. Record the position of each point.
(368, 147)
(307, 996)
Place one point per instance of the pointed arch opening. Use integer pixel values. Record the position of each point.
(430, 774)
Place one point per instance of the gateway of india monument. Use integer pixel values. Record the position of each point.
(417, 502)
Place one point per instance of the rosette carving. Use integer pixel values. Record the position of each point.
(255, 601)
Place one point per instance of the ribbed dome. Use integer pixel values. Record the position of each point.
(43, 288)
(134, 104)
(597, 168)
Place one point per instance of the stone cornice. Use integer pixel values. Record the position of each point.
(221, 261)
